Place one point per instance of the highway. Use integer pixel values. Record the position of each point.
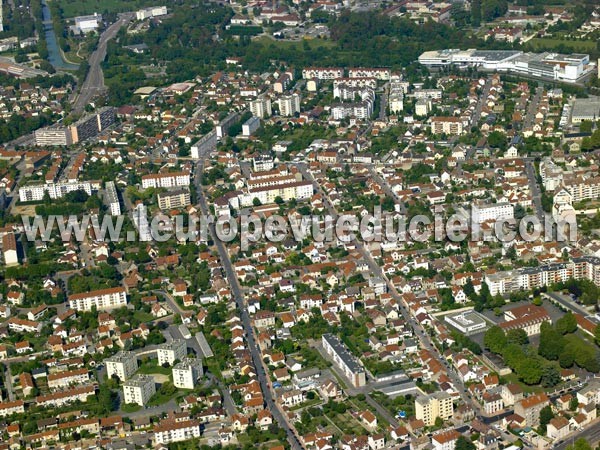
(246, 323)
(94, 81)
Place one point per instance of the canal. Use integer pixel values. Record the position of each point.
(54, 55)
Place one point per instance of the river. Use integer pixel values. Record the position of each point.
(54, 54)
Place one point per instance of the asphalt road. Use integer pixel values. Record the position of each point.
(94, 82)
(419, 331)
(536, 193)
(249, 333)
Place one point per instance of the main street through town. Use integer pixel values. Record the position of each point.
(375, 269)
(238, 296)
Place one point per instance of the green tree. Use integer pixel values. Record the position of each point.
(495, 339)
(517, 336)
(550, 376)
(567, 323)
(462, 443)
(551, 342)
(546, 415)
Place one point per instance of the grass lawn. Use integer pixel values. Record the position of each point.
(150, 368)
(212, 365)
(143, 316)
(130, 407)
(72, 8)
(551, 43)
(513, 378)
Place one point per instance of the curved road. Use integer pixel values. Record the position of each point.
(94, 81)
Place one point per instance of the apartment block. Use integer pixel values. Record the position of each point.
(430, 407)
(322, 73)
(171, 430)
(35, 191)
(122, 364)
(174, 199)
(529, 408)
(379, 73)
(494, 211)
(9, 249)
(68, 378)
(52, 136)
(261, 107)
(187, 372)
(298, 190)
(112, 198)
(61, 398)
(166, 180)
(344, 360)
(9, 408)
(153, 11)
(101, 299)
(446, 125)
(139, 389)
(289, 105)
(169, 352)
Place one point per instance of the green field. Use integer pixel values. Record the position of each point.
(72, 8)
(555, 44)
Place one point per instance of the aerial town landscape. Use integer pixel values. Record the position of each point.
(300, 225)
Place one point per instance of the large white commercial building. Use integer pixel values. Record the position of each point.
(166, 180)
(122, 364)
(101, 299)
(344, 360)
(172, 351)
(139, 390)
(153, 11)
(187, 372)
(86, 24)
(553, 66)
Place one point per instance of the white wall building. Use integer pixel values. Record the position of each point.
(153, 11)
(494, 211)
(261, 107)
(139, 389)
(101, 299)
(122, 364)
(166, 180)
(289, 105)
(187, 372)
(113, 198)
(168, 353)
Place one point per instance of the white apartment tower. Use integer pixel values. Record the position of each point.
(289, 105)
(139, 389)
(168, 353)
(122, 364)
(261, 107)
(187, 372)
